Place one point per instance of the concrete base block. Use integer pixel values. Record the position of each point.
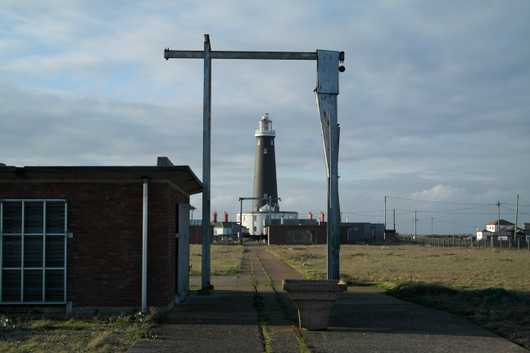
(314, 300)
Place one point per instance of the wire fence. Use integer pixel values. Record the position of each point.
(448, 242)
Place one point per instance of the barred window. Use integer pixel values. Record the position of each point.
(33, 251)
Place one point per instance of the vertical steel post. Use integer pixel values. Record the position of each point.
(206, 149)
(327, 91)
(145, 243)
(333, 210)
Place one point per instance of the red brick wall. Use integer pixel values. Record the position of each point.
(284, 234)
(196, 234)
(104, 256)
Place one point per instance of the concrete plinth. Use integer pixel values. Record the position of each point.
(314, 300)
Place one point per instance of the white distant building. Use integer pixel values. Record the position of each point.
(256, 222)
(482, 234)
(502, 229)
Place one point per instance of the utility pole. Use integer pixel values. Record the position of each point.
(415, 224)
(516, 219)
(432, 225)
(394, 216)
(498, 223)
(498, 218)
(384, 233)
(385, 212)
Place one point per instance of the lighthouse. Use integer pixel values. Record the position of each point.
(265, 205)
(265, 186)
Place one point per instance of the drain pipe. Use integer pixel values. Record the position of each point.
(144, 244)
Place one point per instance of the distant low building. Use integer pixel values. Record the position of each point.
(256, 222)
(225, 229)
(498, 229)
(482, 234)
(500, 226)
(315, 233)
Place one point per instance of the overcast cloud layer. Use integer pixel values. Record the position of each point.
(434, 104)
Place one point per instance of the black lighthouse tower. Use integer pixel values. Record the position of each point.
(265, 188)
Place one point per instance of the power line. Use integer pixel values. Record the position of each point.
(446, 202)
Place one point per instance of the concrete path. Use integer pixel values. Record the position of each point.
(365, 320)
(241, 315)
(251, 313)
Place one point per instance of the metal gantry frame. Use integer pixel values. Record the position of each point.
(328, 67)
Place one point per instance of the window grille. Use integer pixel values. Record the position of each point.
(33, 237)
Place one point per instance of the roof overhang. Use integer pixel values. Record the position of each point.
(182, 176)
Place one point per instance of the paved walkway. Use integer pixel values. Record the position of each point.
(251, 313)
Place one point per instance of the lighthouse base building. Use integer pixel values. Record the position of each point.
(257, 222)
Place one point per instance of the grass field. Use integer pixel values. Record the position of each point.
(24, 334)
(396, 264)
(489, 287)
(226, 259)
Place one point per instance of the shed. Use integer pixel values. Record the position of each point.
(72, 236)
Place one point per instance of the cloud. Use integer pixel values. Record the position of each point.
(438, 192)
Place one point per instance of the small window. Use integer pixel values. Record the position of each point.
(12, 217)
(11, 251)
(264, 151)
(32, 285)
(55, 217)
(11, 282)
(33, 217)
(54, 286)
(54, 251)
(33, 251)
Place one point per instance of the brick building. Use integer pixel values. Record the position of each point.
(74, 236)
(350, 233)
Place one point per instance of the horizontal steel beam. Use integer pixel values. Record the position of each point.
(260, 55)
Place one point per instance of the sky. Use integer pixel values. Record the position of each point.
(434, 104)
